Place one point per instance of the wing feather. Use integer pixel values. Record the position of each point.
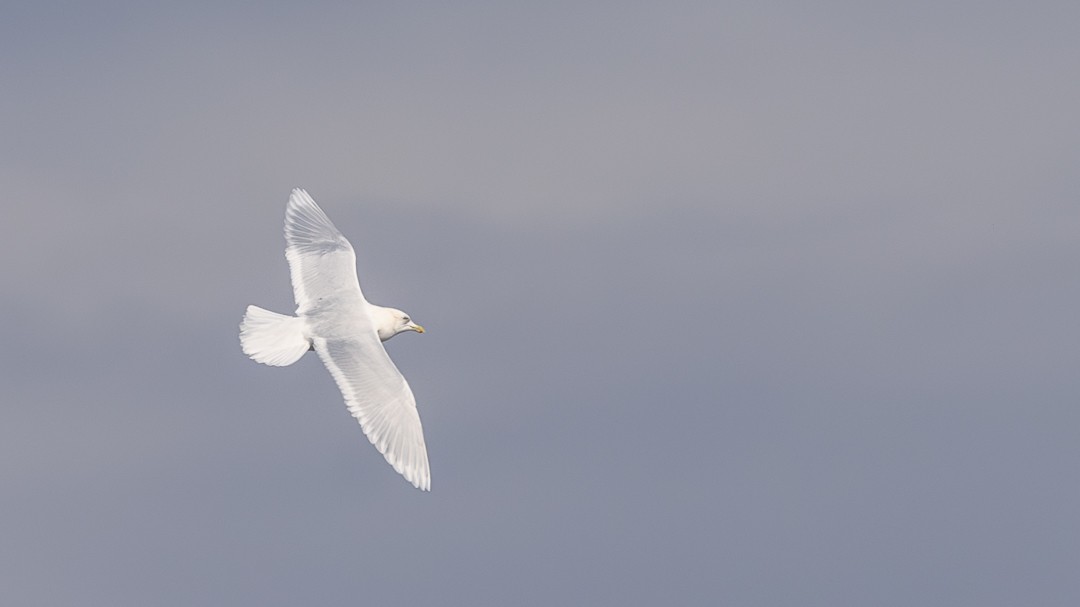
(378, 396)
(328, 296)
(321, 261)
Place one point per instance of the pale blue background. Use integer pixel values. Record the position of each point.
(755, 303)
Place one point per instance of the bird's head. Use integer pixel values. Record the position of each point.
(392, 321)
(404, 323)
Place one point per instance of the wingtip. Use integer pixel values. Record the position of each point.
(299, 194)
(417, 478)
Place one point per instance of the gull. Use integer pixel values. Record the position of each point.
(346, 331)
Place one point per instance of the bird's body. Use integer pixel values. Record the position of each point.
(335, 320)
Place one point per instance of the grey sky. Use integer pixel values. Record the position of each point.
(738, 304)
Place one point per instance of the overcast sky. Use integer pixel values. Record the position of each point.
(755, 303)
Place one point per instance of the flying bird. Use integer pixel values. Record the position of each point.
(346, 331)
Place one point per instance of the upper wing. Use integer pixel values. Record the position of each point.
(378, 396)
(321, 261)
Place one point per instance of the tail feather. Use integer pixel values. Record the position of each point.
(271, 338)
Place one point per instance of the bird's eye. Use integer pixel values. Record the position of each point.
(406, 319)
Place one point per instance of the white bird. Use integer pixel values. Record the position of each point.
(334, 319)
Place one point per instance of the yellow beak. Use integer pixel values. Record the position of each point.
(416, 327)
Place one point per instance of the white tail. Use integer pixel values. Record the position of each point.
(271, 338)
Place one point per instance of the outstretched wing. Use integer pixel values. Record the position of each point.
(322, 263)
(379, 398)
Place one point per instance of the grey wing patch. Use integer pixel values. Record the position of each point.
(308, 229)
